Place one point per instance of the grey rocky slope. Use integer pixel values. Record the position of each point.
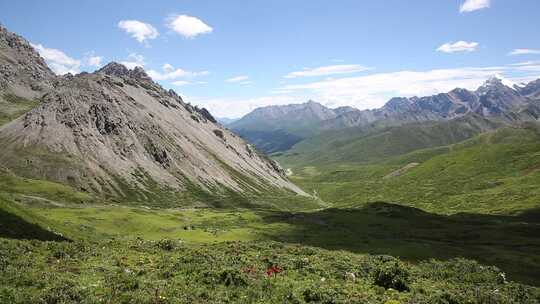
(117, 133)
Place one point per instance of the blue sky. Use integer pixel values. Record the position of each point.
(232, 56)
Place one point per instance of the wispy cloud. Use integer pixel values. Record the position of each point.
(458, 46)
(243, 79)
(180, 83)
(525, 63)
(237, 107)
(139, 30)
(524, 52)
(328, 70)
(95, 61)
(92, 60)
(474, 5)
(58, 61)
(62, 64)
(188, 26)
(171, 73)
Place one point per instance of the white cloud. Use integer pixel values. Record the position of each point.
(529, 68)
(134, 60)
(473, 5)
(95, 61)
(239, 79)
(524, 52)
(58, 61)
(168, 67)
(525, 63)
(180, 83)
(328, 70)
(139, 30)
(171, 73)
(459, 46)
(188, 26)
(235, 108)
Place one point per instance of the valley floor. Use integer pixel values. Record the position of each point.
(509, 242)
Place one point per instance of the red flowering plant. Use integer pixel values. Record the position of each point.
(273, 270)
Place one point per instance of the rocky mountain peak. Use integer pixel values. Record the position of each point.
(139, 73)
(398, 103)
(494, 83)
(120, 70)
(114, 69)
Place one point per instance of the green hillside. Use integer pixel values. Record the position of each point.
(366, 145)
(495, 172)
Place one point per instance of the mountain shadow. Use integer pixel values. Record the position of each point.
(511, 243)
(15, 227)
(270, 141)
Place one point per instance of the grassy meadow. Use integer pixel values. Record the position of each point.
(494, 173)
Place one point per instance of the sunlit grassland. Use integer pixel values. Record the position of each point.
(494, 173)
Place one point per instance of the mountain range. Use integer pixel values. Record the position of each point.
(278, 128)
(117, 133)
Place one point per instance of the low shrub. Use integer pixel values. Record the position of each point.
(391, 273)
(166, 244)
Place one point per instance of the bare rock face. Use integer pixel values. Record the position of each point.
(22, 71)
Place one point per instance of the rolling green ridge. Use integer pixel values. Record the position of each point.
(367, 145)
(495, 172)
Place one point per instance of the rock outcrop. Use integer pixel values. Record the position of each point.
(22, 70)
